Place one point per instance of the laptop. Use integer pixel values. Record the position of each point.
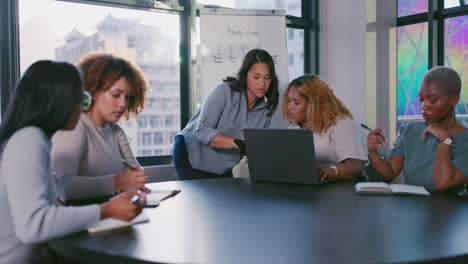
(281, 155)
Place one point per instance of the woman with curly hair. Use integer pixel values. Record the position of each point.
(310, 103)
(89, 157)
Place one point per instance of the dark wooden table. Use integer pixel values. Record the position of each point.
(234, 221)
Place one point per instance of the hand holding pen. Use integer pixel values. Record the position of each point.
(132, 178)
(375, 138)
(124, 206)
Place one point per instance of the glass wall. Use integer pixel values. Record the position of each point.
(292, 7)
(147, 33)
(417, 53)
(456, 56)
(412, 64)
(66, 31)
(411, 7)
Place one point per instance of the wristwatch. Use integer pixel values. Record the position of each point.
(447, 141)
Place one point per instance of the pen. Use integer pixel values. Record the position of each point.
(128, 164)
(173, 193)
(135, 199)
(145, 189)
(370, 129)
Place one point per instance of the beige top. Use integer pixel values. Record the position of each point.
(340, 142)
(88, 157)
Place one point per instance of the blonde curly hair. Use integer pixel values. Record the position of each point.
(101, 70)
(323, 107)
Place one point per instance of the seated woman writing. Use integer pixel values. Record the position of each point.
(89, 156)
(310, 103)
(433, 153)
(48, 98)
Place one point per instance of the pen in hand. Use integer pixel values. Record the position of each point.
(128, 165)
(370, 129)
(145, 189)
(135, 198)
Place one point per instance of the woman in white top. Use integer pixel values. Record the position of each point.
(48, 98)
(310, 103)
(90, 156)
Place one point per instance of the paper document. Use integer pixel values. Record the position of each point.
(111, 223)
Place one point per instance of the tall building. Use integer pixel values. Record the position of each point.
(153, 133)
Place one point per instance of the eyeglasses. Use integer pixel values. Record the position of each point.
(87, 101)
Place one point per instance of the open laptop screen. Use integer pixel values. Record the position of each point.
(281, 155)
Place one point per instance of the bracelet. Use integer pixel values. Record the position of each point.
(336, 171)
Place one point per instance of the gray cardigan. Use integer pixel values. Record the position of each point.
(88, 157)
(30, 214)
(224, 111)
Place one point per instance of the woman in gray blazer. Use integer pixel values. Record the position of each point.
(206, 147)
(48, 98)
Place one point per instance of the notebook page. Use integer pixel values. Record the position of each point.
(111, 223)
(409, 189)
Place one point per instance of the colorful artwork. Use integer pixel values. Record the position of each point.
(456, 55)
(411, 7)
(412, 65)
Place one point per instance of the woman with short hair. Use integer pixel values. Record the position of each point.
(432, 153)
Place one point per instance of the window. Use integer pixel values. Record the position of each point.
(456, 57)
(291, 59)
(292, 7)
(154, 121)
(418, 52)
(411, 7)
(158, 138)
(412, 65)
(142, 122)
(149, 39)
(146, 139)
(453, 3)
(296, 54)
(144, 32)
(290, 34)
(169, 121)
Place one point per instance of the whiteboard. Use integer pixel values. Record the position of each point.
(226, 35)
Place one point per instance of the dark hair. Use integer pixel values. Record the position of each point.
(45, 97)
(102, 70)
(240, 83)
(448, 75)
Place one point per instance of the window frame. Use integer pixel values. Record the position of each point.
(435, 17)
(10, 53)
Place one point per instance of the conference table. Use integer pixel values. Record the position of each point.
(237, 221)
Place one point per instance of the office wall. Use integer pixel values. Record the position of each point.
(343, 52)
(358, 58)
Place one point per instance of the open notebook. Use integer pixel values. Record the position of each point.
(384, 188)
(111, 223)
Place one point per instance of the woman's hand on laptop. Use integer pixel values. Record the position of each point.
(328, 172)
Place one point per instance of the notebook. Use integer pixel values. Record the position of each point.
(385, 188)
(112, 223)
(281, 155)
